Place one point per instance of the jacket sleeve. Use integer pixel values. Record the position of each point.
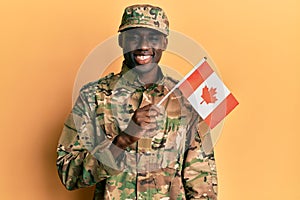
(83, 155)
(199, 172)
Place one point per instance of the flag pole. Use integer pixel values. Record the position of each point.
(182, 80)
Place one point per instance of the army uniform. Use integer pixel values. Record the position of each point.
(177, 163)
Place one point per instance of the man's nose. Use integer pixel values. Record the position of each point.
(144, 44)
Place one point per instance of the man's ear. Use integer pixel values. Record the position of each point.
(120, 40)
(165, 43)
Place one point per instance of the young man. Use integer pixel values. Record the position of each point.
(118, 139)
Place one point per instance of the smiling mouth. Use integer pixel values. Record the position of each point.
(142, 59)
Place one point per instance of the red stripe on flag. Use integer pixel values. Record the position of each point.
(220, 112)
(195, 79)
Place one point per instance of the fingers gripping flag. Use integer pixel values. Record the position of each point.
(206, 93)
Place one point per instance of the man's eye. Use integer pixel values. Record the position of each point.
(154, 38)
(132, 38)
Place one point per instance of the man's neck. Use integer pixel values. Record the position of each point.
(150, 78)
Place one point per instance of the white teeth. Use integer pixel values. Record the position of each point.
(143, 57)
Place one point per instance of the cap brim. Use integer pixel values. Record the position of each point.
(126, 27)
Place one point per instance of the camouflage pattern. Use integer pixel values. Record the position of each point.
(177, 163)
(147, 16)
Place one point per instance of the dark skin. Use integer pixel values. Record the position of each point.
(142, 50)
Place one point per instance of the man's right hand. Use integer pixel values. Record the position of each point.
(142, 124)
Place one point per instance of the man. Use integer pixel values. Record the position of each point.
(118, 139)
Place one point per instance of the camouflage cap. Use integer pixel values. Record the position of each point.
(145, 15)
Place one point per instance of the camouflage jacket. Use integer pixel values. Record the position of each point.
(177, 163)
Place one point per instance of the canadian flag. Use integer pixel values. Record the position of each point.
(207, 93)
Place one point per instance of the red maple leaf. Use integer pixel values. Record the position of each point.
(208, 95)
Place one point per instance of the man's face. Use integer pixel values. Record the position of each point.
(142, 48)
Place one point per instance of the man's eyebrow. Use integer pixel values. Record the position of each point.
(155, 33)
(133, 33)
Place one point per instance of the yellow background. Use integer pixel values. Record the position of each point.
(255, 45)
